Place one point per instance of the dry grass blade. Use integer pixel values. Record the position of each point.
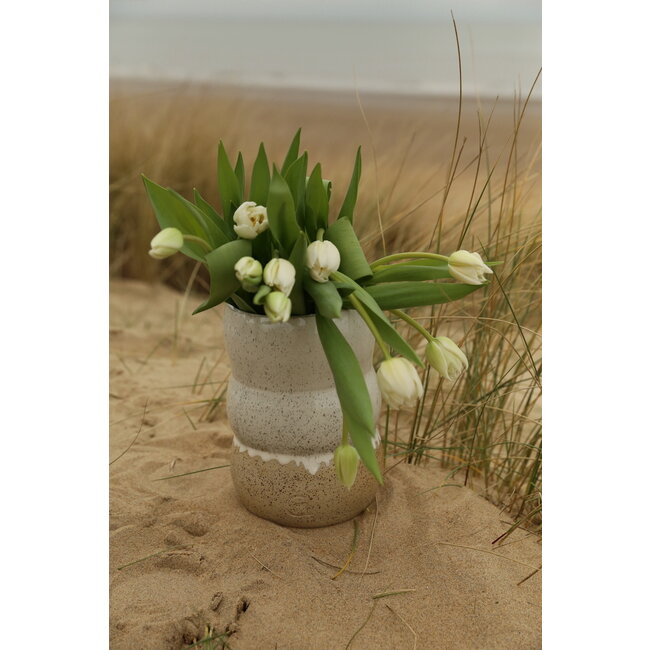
(385, 594)
(336, 566)
(353, 550)
(144, 414)
(372, 609)
(198, 471)
(415, 636)
(147, 557)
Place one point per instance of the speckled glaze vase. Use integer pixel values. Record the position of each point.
(286, 419)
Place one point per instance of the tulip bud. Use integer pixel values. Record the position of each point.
(277, 307)
(346, 463)
(250, 220)
(399, 382)
(249, 273)
(167, 242)
(280, 274)
(446, 358)
(468, 267)
(323, 258)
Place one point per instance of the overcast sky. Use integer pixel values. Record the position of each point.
(468, 10)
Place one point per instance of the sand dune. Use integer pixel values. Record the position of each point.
(212, 565)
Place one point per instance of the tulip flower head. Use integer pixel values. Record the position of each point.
(167, 242)
(446, 358)
(280, 274)
(250, 220)
(468, 267)
(346, 463)
(399, 382)
(277, 307)
(249, 273)
(323, 258)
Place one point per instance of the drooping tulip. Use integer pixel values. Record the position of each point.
(167, 242)
(346, 463)
(468, 268)
(446, 358)
(399, 382)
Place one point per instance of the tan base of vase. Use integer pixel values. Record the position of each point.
(290, 495)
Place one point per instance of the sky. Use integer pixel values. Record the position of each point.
(475, 10)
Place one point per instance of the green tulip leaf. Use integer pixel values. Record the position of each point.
(410, 272)
(347, 209)
(328, 300)
(353, 261)
(242, 304)
(292, 154)
(296, 177)
(402, 295)
(297, 258)
(221, 265)
(316, 203)
(172, 213)
(352, 391)
(214, 236)
(213, 215)
(281, 213)
(240, 173)
(386, 329)
(230, 190)
(261, 178)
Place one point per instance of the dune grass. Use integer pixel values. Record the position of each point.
(438, 175)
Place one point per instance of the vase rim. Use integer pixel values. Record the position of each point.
(293, 317)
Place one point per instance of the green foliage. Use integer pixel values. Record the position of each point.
(260, 178)
(353, 261)
(327, 299)
(402, 295)
(282, 214)
(347, 209)
(297, 258)
(221, 265)
(316, 203)
(230, 189)
(352, 391)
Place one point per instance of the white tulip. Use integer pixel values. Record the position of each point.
(277, 307)
(446, 358)
(399, 382)
(323, 258)
(280, 274)
(249, 273)
(346, 464)
(468, 267)
(167, 242)
(250, 220)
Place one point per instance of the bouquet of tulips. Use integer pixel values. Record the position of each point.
(274, 250)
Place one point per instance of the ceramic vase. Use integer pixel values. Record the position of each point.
(286, 419)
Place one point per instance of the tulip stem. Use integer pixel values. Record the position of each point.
(413, 323)
(356, 303)
(198, 240)
(406, 256)
(344, 436)
(320, 234)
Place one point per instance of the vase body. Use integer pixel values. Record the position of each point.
(287, 421)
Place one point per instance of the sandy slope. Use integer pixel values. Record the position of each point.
(210, 551)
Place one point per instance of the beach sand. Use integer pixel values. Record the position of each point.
(186, 556)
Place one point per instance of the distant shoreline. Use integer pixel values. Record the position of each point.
(324, 95)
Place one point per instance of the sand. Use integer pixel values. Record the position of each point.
(217, 567)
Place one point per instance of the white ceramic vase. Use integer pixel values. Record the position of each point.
(286, 419)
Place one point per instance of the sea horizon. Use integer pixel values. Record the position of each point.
(395, 58)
